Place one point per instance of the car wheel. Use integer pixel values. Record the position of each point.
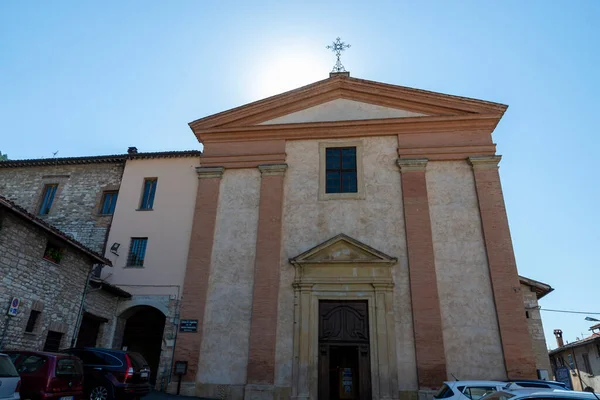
(100, 392)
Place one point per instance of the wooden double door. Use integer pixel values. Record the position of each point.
(344, 353)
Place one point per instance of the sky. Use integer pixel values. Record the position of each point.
(91, 78)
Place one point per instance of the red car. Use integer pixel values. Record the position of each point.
(48, 375)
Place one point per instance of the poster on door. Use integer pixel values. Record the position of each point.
(346, 383)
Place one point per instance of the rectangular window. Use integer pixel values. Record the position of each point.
(53, 253)
(137, 252)
(598, 349)
(53, 340)
(148, 194)
(341, 173)
(571, 363)
(33, 317)
(109, 201)
(48, 198)
(586, 364)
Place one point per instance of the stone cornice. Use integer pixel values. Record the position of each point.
(485, 162)
(347, 129)
(412, 164)
(272, 169)
(209, 172)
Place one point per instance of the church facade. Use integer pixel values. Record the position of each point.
(350, 241)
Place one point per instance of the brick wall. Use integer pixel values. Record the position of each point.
(75, 209)
(55, 289)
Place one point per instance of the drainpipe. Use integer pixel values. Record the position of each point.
(79, 316)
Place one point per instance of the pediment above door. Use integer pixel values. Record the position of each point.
(343, 260)
(342, 249)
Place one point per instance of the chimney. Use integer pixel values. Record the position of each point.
(132, 150)
(559, 338)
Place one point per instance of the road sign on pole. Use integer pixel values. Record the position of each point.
(14, 307)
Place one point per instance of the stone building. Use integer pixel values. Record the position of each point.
(350, 239)
(137, 197)
(533, 291)
(66, 192)
(579, 361)
(47, 271)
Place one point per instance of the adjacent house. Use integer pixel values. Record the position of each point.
(136, 209)
(43, 275)
(581, 359)
(533, 291)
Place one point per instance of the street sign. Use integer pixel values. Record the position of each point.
(188, 325)
(14, 306)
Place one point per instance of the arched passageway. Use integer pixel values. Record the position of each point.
(143, 333)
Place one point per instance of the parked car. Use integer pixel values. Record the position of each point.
(113, 374)
(468, 390)
(10, 383)
(549, 394)
(48, 375)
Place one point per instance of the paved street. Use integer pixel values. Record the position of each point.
(165, 396)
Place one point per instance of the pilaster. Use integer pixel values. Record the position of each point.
(514, 333)
(193, 301)
(263, 329)
(427, 319)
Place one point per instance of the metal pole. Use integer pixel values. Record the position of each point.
(4, 332)
(79, 316)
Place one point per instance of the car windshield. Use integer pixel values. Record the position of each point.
(444, 392)
(7, 369)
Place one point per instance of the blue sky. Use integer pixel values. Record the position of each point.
(88, 78)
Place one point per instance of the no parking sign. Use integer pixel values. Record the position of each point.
(14, 306)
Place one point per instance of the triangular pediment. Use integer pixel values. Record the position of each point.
(342, 249)
(348, 99)
(342, 110)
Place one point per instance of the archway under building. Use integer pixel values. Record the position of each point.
(143, 333)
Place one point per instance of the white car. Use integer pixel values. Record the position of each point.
(545, 394)
(10, 382)
(468, 390)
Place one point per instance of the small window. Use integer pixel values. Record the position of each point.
(527, 314)
(53, 253)
(48, 198)
(109, 201)
(571, 364)
(53, 340)
(33, 317)
(341, 173)
(598, 349)
(586, 364)
(137, 252)
(148, 194)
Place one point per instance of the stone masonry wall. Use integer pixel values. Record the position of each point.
(536, 329)
(102, 304)
(53, 289)
(76, 205)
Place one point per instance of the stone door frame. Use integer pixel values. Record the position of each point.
(344, 269)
